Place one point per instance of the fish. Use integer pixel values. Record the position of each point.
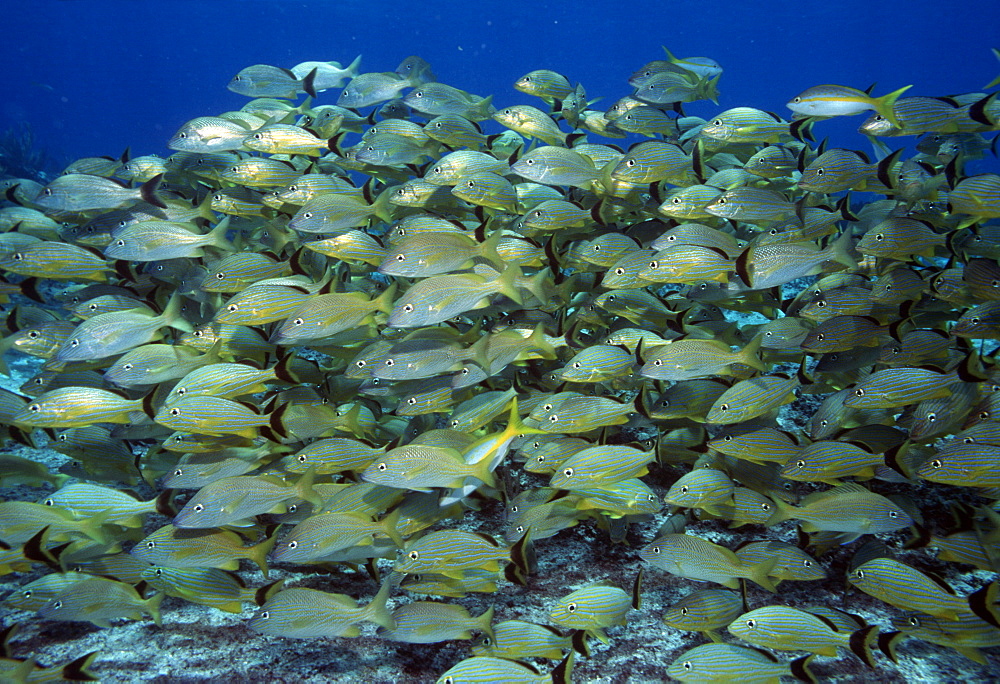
(596, 607)
(725, 662)
(836, 100)
(905, 587)
(428, 622)
(846, 508)
(321, 535)
(490, 669)
(264, 80)
(449, 552)
(302, 613)
(690, 359)
(705, 611)
(83, 192)
(694, 558)
(99, 600)
(789, 629)
(174, 547)
(232, 500)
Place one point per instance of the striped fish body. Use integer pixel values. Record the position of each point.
(694, 558)
(174, 547)
(206, 586)
(751, 398)
(702, 488)
(705, 611)
(846, 508)
(789, 629)
(894, 387)
(729, 663)
(212, 416)
(601, 465)
(323, 534)
(449, 552)
(78, 407)
(963, 465)
(301, 613)
(592, 608)
(907, 588)
(233, 500)
(515, 639)
(827, 461)
(793, 563)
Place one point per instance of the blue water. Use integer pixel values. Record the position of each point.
(94, 77)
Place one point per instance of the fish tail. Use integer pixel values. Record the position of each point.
(885, 105)
(515, 424)
(783, 511)
(486, 622)
(887, 644)
(579, 641)
(983, 603)
(353, 67)
(305, 487)
(308, 81)
(264, 594)
(148, 191)
(152, 605)
(77, 670)
(258, 553)
(282, 370)
(839, 250)
(165, 503)
(390, 524)
(217, 236)
(383, 302)
(377, 611)
(506, 283)
(861, 644)
(760, 572)
(563, 671)
(801, 671)
(750, 354)
(483, 470)
(173, 315)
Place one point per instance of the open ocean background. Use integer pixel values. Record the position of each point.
(94, 77)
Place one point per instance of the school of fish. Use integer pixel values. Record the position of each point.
(345, 332)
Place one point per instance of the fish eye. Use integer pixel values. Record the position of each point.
(382, 467)
(751, 623)
(800, 464)
(619, 271)
(412, 401)
(931, 417)
(265, 615)
(684, 611)
(546, 407)
(17, 256)
(819, 171)
(197, 508)
(766, 507)
(178, 472)
(32, 334)
(307, 215)
(34, 408)
(175, 412)
(653, 264)
(571, 607)
(529, 161)
(568, 472)
(724, 407)
(860, 574)
(936, 463)
(233, 308)
(687, 665)
(74, 342)
(413, 555)
(400, 257)
(151, 545)
(798, 99)
(390, 362)
(721, 200)
(361, 363)
(57, 604)
(655, 550)
(128, 367)
(629, 162)
(676, 200)
(50, 502)
(408, 308)
(298, 321)
(293, 544)
(553, 418)
(821, 336)
(301, 458)
(859, 392)
(577, 365)
(658, 363)
(893, 514)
